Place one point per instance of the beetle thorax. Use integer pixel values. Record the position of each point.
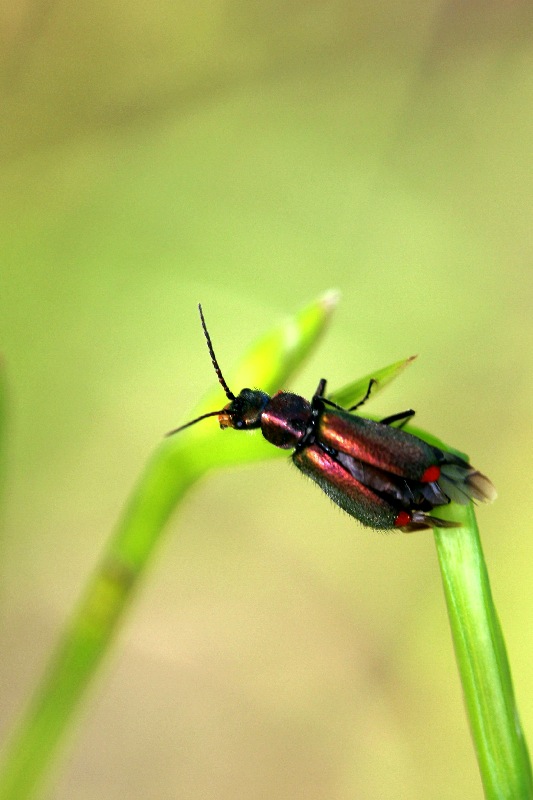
(285, 419)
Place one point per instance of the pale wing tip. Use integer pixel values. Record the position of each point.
(481, 488)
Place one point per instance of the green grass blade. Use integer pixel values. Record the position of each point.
(482, 660)
(290, 341)
(351, 394)
(177, 464)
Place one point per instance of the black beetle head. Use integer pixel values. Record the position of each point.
(245, 411)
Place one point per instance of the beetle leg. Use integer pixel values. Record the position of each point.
(367, 395)
(401, 416)
(320, 389)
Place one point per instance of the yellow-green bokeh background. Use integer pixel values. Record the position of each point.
(251, 156)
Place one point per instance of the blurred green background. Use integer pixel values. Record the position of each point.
(251, 156)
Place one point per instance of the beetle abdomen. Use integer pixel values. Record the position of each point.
(344, 489)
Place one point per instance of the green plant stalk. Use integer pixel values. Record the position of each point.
(499, 741)
(176, 465)
(482, 660)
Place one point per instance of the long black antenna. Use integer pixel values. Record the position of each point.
(194, 421)
(229, 393)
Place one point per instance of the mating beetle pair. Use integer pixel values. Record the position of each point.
(378, 473)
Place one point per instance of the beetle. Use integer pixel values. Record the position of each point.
(378, 473)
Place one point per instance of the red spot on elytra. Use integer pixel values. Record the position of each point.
(431, 474)
(403, 518)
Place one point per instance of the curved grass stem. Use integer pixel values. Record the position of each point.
(176, 465)
(482, 660)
